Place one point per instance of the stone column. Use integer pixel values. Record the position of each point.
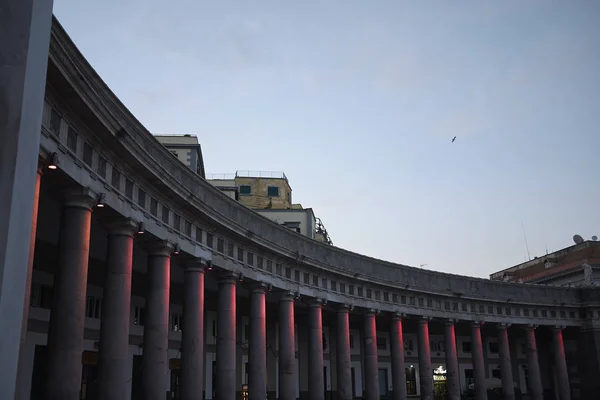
(478, 363)
(344, 377)
(425, 371)
(25, 32)
(192, 334)
(287, 349)
(226, 362)
(535, 378)
(23, 347)
(398, 368)
(371, 366)
(257, 357)
(114, 368)
(508, 384)
(316, 384)
(562, 375)
(155, 358)
(65, 332)
(452, 373)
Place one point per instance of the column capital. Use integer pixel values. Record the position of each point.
(228, 277)
(82, 197)
(398, 315)
(530, 327)
(160, 248)
(259, 287)
(477, 324)
(195, 265)
(121, 226)
(315, 302)
(424, 319)
(450, 322)
(287, 296)
(371, 311)
(503, 325)
(558, 328)
(345, 308)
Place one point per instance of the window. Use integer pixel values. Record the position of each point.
(496, 373)
(138, 316)
(493, 347)
(116, 178)
(381, 343)
(466, 347)
(245, 190)
(72, 139)
(220, 245)
(188, 228)
(289, 197)
(250, 258)
(177, 222)
(93, 307)
(54, 121)
(269, 266)
(411, 381)
(259, 262)
(209, 240)
(198, 234)
(230, 249)
(278, 269)
(141, 198)
(288, 272)
(273, 191)
(154, 207)
(87, 153)
(306, 278)
(41, 295)
(101, 169)
(165, 214)
(351, 341)
(129, 188)
(240, 254)
(351, 290)
(297, 275)
(175, 322)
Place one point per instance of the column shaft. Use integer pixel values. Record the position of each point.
(562, 375)
(398, 368)
(23, 347)
(316, 384)
(508, 385)
(535, 378)
(371, 367)
(25, 32)
(65, 332)
(425, 371)
(192, 335)
(226, 362)
(478, 363)
(452, 374)
(287, 350)
(113, 359)
(155, 358)
(257, 360)
(344, 378)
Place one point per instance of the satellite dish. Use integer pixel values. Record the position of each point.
(577, 239)
(594, 238)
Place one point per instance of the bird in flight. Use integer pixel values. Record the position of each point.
(453, 139)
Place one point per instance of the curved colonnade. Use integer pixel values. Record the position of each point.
(107, 158)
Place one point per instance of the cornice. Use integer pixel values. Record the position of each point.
(234, 217)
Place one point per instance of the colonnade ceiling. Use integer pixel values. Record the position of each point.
(179, 206)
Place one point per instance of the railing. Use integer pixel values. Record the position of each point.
(248, 174)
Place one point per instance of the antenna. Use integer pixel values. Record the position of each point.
(577, 239)
(526, 244)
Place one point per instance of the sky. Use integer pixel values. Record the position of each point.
(357, 102)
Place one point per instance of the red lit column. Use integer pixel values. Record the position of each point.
(257, 360)
(155, 358)
(452, 376)
(535, 378)
(344, 378)
(425, 371)
(478, 363)
(562, 375)
(316, 383)
(226, 363)
(192, 335)
(398, 368)
(65, 332)
(508, 385)
(113, 356)
(287, 348)
(371, 367)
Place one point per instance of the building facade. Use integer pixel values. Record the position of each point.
(186, 148)
(574, 266)
(146, 282)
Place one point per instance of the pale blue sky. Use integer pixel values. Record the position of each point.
(357, 101)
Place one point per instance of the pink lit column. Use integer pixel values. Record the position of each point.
(344, 378)
(257, 360)
(452, 375)
(562, 375)
(398, 368)
(65, 332)
(113, 357)
(287, 350)
(371, 367)
(425, 371)
(508, 385)
(316, 383)
(478, 363)
(155, 358)
(226, 351)
(192, 335)
(535, 377)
